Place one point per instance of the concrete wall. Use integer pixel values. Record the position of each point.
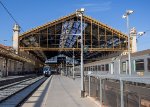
(2, 66)
(13, 67)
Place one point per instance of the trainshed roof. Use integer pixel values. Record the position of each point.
(51, 39)
(61, 19)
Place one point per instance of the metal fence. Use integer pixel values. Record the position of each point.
(134, 95)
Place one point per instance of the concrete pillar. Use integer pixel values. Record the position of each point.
(133, 35)
(16, 30)
(1, 67)
(6, 66)
(119, 66)
(145, 65)
(15, 67)
(11, 67)
(23, 67)
(112, 67)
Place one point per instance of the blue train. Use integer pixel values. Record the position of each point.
(47, 71)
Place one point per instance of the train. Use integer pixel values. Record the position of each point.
(47, 71)
(140, 65)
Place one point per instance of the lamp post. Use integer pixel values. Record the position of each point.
(79, 13)
(126, 15)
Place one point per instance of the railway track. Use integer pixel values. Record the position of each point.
(8, 81)
(13, 95)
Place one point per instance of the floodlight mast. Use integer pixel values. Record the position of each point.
(80, 13)
(126, 16)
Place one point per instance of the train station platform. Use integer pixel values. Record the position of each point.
(59, 91)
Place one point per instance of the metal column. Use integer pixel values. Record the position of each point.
(139, 100)
(89, 85)
(100, 92)
(129, 54)
(66, 73)
(73, 64)
(121, 93)
(82, 74)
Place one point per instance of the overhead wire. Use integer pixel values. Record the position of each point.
(10, 14)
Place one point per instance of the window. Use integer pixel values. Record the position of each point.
(139, 64)
(99, 68)
(102, 67)
(148, 63)
(95, 67)
(86, 68)
(123, 66)
(107, 67)
(91, 68)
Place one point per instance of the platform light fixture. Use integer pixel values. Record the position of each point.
(128, 12)
(126, 16)
(80, 13)
(141, 33)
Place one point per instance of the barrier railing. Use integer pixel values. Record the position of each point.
(109, 93)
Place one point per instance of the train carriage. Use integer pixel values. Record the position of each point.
(47, 71)
(140, 65)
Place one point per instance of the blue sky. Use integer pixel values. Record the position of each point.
(32, 13)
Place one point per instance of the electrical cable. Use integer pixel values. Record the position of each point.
(10, 14)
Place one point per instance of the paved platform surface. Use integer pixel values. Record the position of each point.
(59, 91)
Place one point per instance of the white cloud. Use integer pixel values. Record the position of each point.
(89, 5)
(96, 7)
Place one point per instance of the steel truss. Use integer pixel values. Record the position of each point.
(60, 36)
